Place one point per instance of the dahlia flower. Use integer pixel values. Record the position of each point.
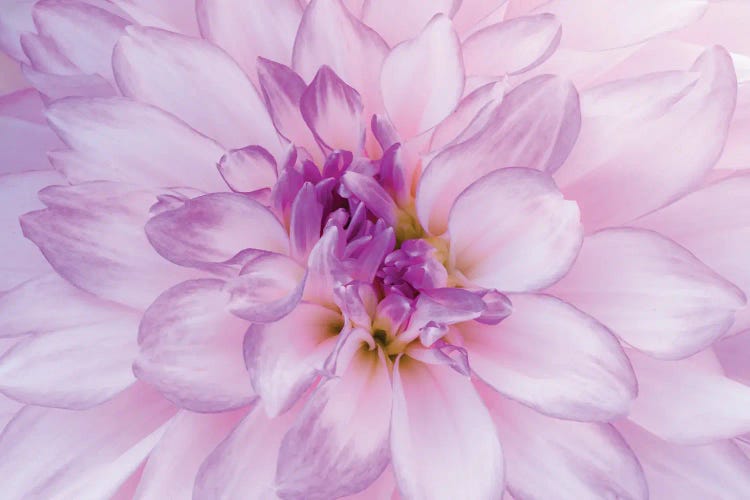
(372, 249)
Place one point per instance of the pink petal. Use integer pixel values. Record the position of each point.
(74, 368)
(16, 19)
(244, 464)
(97, 451)
(384, 487)
(685, 404)
(736, 149)
(55, 87)
(251, 29)
(333, 111)
(423, 79)
(214, 228)
(174, 15)
(512, 46)
(515, 135)
(131, 142)
(652, 293)
(553, 358)
(21, 259)
(620, 169)
(92, 235)
(715, 470)
(330, 35)
(533, 242)
(283, 358)
(399, 20)
(173, 464)
(552, 458)
(713, 223)
(443, 440)
(339, 443)
(83, 33)
(248, 169)
(472, 12)
(181, 75)
(191, 348)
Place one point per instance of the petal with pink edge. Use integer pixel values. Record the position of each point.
(191, 348)
(127, 141)
(553, 458)
(652, 293)
(423, 79)
(684, 402)
(399, 20)
(96, 453)
(553, 358)
(214, 228)
(181, 74)
(715, 470)
(619, 168)
(514, 135)
(443, 440)
(531, 242)
(339, 443)
(512, 46)
(283, 358)
(92, 235)
(251, 29)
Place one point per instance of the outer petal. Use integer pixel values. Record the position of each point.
(15, 20)
(330, 35)
(339, 443)
(283, 358)
(515, 134)
(397, 21)
(74, 368)
(333, 111)
(714, 224)
(620, 169)
(650, 292)
(127, 141)
(173, 464)
(191, 348)
(214, 228)
(512, 46)
(552, 458)
(423, 79)
(97, 451)
(92, 235)
(715, 470)
(248, 169)
(530, 245)
(248, 30)
(181, 75)
(443, 441)
(553, 358)
(684, 403)
(175, 15)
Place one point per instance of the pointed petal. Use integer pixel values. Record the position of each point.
(533, 242)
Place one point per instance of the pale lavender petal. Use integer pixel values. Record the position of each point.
(372, 194)
(248, 169)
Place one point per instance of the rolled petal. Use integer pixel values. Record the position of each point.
(172, 466)
(248, 30)
(711, 470)
(652, 293)
(181, 74)
(514, 135)
(333, 111)
(397, 21)
(214, 228)
(423, 79)
(531, 244)
(372, 194)
(442, 306)
(684, 403)
(75, 368)
(244, 464)
(92, 235)
(248, 169)
(553, 458)
(126, 141)
(283, 358)
(95, 454)
(339, 443)
(553, 358)
(191, 348)
(330, 35)
(620, 169)
(512, 46)
(443, 440)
